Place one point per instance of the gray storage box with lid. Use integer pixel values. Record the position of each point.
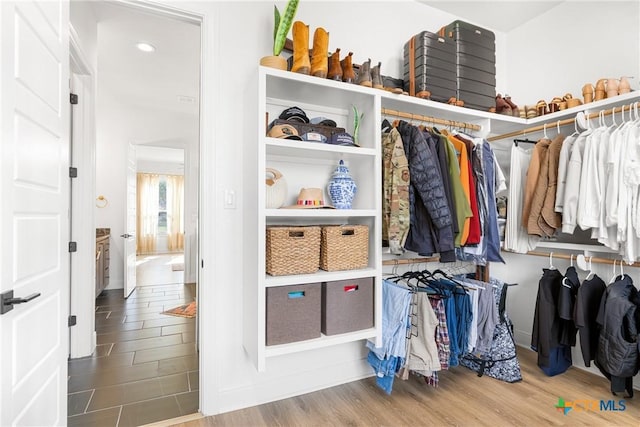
(347, 305)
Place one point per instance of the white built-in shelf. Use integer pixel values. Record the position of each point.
(319, 213)
(323, 341)
(319, 276)
(289, 147)
(575, 247)
(592, 107)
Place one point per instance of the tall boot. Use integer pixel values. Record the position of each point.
(348, 75)
(319, 56)
(301, 62)
(335, 70)
(364, 74)
(376, 80)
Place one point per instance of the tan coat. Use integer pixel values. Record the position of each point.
(549, 215)
(539, 192)
(542, 219)
(533, 172)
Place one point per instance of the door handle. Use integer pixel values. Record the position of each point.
(126, 235)
(7, 300)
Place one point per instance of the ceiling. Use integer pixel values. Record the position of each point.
(167, 79)
(501, 16)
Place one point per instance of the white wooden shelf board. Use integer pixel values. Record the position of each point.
(319, 213)
(323, 341)
(319, 276)
(288, 147)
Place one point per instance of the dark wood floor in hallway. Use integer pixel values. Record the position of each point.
(145, 367)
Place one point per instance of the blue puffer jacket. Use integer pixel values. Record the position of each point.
(430, 231)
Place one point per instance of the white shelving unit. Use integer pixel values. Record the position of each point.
(308, 164)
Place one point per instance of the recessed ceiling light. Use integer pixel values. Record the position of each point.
(145, 47)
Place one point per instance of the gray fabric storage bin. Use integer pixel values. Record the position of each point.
(293, 313)
(347, 305)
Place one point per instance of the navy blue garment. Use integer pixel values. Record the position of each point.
(464, 317)
(430, 228)
(559, 361)
(491, 227)
(447, 290)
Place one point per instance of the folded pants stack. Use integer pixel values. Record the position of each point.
(475, 64)
(430, 67)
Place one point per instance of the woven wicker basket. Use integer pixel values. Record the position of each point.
(292, 250)
(344, 247)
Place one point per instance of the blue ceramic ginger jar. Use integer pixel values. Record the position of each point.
(342, 188)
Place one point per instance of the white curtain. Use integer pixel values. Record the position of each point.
(147, 217)
(175, 213)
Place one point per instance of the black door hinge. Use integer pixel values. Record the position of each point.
(73, 172)
(72, 320)
(73, 98)
(73, 246)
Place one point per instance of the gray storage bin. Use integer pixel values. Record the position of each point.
(293, 313)
(347, 305)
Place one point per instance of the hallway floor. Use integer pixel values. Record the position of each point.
(145, 367)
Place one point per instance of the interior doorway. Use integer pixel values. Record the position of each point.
(145, 366)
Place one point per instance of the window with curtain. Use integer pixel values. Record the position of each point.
(175, 212)
(160, 207)
(147, 212)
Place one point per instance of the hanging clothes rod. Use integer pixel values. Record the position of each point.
(551, 125)
(406, 261)
(434, 120)
(595, 260)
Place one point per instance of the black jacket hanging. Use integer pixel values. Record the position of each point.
(618, 353)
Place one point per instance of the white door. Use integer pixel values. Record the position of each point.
(130, 224)
(34, 210)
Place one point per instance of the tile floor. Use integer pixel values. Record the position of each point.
(145, 367)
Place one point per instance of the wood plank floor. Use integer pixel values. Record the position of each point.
(145, 367)
(462, 399)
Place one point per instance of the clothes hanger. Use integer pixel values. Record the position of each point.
(558, 126)
(544, 127)
(590, 268)
(571, 260)
(551, 266)
(613, 278)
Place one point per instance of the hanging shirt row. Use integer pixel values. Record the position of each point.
(439, 193)
(589, 180)
(431, 322)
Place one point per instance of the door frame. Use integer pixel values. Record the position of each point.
(206, 330)
(82, 336)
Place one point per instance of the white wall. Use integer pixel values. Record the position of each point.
(575, 43)
(118, 124)
(83, 20)
(235, 36)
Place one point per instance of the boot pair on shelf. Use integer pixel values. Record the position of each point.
(370, 76)
(341, 69)
(506, 107)
(316, 65)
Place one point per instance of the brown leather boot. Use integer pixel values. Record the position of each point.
(376, 80)
(335, 69)
(364, 74)
(348, 75)
(301, 63)
(514, 108)
(319, 56)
